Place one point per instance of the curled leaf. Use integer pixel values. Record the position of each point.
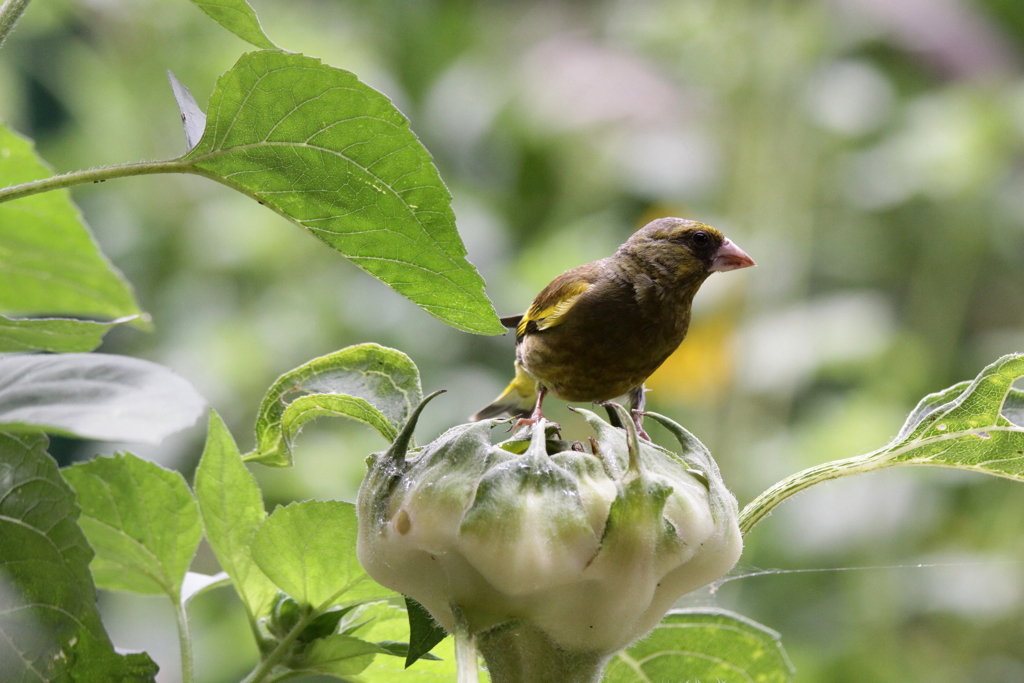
(368, 382)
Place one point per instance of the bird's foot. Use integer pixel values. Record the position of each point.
(536, 418)
(638, 420)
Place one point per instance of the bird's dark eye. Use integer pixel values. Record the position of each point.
(700, 239)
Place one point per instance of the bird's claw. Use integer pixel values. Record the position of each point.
(638, 420)
(534, 419)
(526, 422)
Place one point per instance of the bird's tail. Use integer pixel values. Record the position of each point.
(517, 400)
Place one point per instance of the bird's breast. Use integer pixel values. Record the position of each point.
(605, 346)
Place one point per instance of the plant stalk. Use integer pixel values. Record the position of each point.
(887, 456)
(522, 653)
(265, 666)
(10, 12)
(465, 650)
(185, 643)
(92, 175)
(758, 508)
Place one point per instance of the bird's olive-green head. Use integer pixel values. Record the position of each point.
(683, 250)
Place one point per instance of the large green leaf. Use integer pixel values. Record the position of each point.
(703, 645)
(50, 629)
(367, 382)
(964, 427)
(309, 551)
(142, 521)
(95, 396)
(976, 425)
(239, 18)
(232, 509)
(57, 335)
(333, 155)
(49, 262)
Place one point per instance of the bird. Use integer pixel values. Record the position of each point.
(598, 331)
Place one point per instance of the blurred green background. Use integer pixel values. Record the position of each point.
(868, 154)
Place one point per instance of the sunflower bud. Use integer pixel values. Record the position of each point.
(588, 547)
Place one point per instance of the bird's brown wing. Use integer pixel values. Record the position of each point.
(551, 305)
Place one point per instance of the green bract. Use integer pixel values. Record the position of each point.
(590, 548)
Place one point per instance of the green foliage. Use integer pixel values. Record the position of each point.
(232, 509)
(326, 644)
(95, 396)
(973, 425)
(141, 520)
(50, 626)
(712, 645)
(57, 335)
(239, 18)
(324, 150)
(367, 382)
(964, 426)
(337, 158)
(424, 632)
(308, 550)
(390, 623)
(144, 525)
(338, 655)
(51, 264)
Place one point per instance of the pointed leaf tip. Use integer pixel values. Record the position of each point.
(238, 17)
(632, 437)
(400, 446)
(338, 159)
(192, 117)
(57, 335)
(424, 632)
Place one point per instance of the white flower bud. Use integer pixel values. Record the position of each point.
(590, 548)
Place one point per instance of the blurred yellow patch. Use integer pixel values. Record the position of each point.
(701, 369)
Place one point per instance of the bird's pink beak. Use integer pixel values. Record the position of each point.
(730, 257)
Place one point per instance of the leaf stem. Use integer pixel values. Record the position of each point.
(758, 508)
(92, 175)
(887, 456)
(10, 12)
(185, 642)
(264, 668)
(520, 652)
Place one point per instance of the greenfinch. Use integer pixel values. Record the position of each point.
(600, 330)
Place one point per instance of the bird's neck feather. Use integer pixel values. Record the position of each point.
(674, 276)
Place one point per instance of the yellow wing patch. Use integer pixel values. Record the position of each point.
(547, 314)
